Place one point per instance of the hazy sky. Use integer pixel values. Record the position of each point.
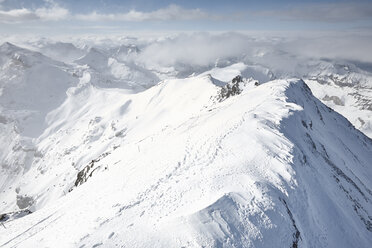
(113, 16)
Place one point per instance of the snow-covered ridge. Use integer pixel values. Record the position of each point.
(271, 166)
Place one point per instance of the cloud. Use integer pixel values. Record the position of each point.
(199, 49)
(17, 15)
(330, 12)
(172, 12)
(349, 46)
(50, 12)
(53, 13)
(285, 54)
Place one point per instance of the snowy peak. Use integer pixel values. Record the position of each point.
(62, 51)
(7, 46)
(123, 51)
(94, 58)
(24, 56)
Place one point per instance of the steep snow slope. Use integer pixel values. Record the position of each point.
(173, 166)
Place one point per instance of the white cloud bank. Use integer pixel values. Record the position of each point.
(172, 12)
(53, 12)
(282, 53)
(17, 15)
(196, 49)
(50, 12)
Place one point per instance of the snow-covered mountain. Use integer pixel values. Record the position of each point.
(113, 68)
(346, 89)
(31, 85)
(208, 160)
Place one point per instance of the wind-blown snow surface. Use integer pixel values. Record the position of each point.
(102, 157)
(174, 167)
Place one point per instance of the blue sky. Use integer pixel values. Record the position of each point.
(114, 16)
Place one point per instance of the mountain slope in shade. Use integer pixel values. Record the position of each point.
(31, 85)
(178, 166)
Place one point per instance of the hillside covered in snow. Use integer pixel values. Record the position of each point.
(133, 143)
